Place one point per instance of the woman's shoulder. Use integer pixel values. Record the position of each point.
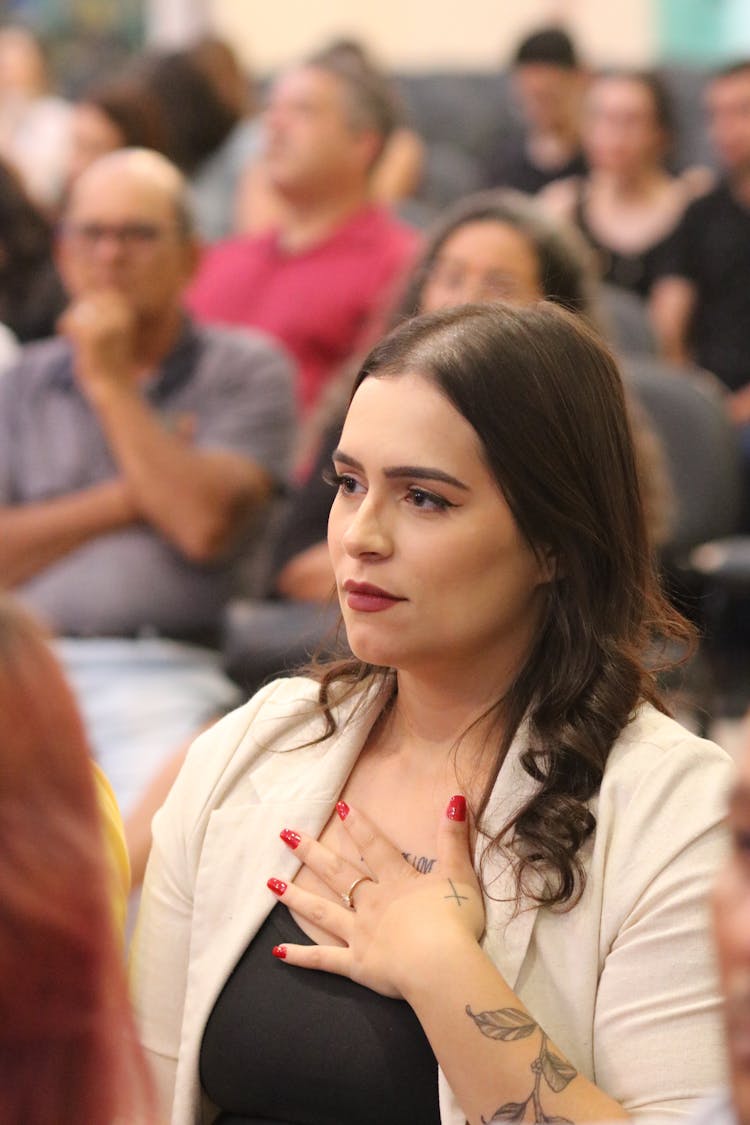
(282, 717)
(664, 770)
(560, 198)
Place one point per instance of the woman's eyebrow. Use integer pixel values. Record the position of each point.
(417, 471)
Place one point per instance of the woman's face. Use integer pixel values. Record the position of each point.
(481, 262)
(621, 132)
(92, 135)
(431, 569)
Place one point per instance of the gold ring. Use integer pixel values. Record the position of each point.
(347, 895)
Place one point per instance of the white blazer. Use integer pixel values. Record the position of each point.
(624, 983)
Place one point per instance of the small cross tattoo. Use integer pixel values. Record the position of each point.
(455, 895)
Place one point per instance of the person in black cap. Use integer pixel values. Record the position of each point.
(548, 83)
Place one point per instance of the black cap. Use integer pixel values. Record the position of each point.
(549, 45)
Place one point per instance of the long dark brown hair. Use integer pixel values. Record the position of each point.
(546, 400)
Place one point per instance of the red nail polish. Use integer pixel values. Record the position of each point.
(291, 838)
(342, 809)
(277, 886)
(279, 951)
(456, 808)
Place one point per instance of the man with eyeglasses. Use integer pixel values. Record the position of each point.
(136, 452)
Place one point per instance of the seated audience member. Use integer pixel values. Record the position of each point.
(34, 122)
(496, 847)
(628, 204)
(31, 293)
(210, 135)
(701, 305)
(319, 282)
(492, 246)
(121, 113)
(395, 178)
(731, 910)
(548, 84)
(68, 1047)
(136, 450)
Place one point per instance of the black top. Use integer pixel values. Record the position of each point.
(508, 165)
(711, 248)
(301, 1047)
(636, 272)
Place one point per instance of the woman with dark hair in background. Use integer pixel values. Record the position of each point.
(499, 245)
(629, 203)
(211, 136)
(68, 1048)
(495, 845)
(121, 113)
(31, 293)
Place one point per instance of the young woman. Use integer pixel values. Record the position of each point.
(68, 1048)
(545, 943)
(629, 203)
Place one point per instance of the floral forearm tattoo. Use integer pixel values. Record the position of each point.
(509, 1024)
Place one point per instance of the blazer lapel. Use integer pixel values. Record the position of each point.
(509, 918)
(241, 849)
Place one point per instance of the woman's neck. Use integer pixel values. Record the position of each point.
(430, 721)
(630, 187)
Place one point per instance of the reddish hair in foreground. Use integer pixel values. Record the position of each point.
(68, 1047)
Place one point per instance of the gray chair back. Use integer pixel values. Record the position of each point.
(686, 408)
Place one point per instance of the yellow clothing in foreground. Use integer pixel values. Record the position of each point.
(116, 851)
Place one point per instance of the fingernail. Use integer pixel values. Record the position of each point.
(456, 808)
(277, 886)
(342, 809)
(279, 951)
(289, 837)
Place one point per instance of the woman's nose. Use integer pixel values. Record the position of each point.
(366, 532)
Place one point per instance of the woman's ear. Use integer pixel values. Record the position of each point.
(550, 566)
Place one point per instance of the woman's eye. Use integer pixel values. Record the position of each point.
(342, 481)
(428, 501)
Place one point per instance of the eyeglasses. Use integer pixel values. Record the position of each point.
(131, 236)
(457, 276)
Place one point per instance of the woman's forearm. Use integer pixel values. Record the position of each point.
(499, 1062)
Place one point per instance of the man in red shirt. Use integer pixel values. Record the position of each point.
(320, 281)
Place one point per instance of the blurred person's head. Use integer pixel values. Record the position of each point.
(327, 122)
(547, 79)
(68, 1045)
(499, 246)
(731, 905)
(127, 227)
(221, 65)
(23, 66)
(627, 123)
(728, 107)
(113, 115)
(196, 116)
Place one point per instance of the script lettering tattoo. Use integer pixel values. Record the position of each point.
(509, 1024)
(422, 863)
(455, 895)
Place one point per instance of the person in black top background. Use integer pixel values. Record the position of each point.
(701, 305)
(548, 83)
